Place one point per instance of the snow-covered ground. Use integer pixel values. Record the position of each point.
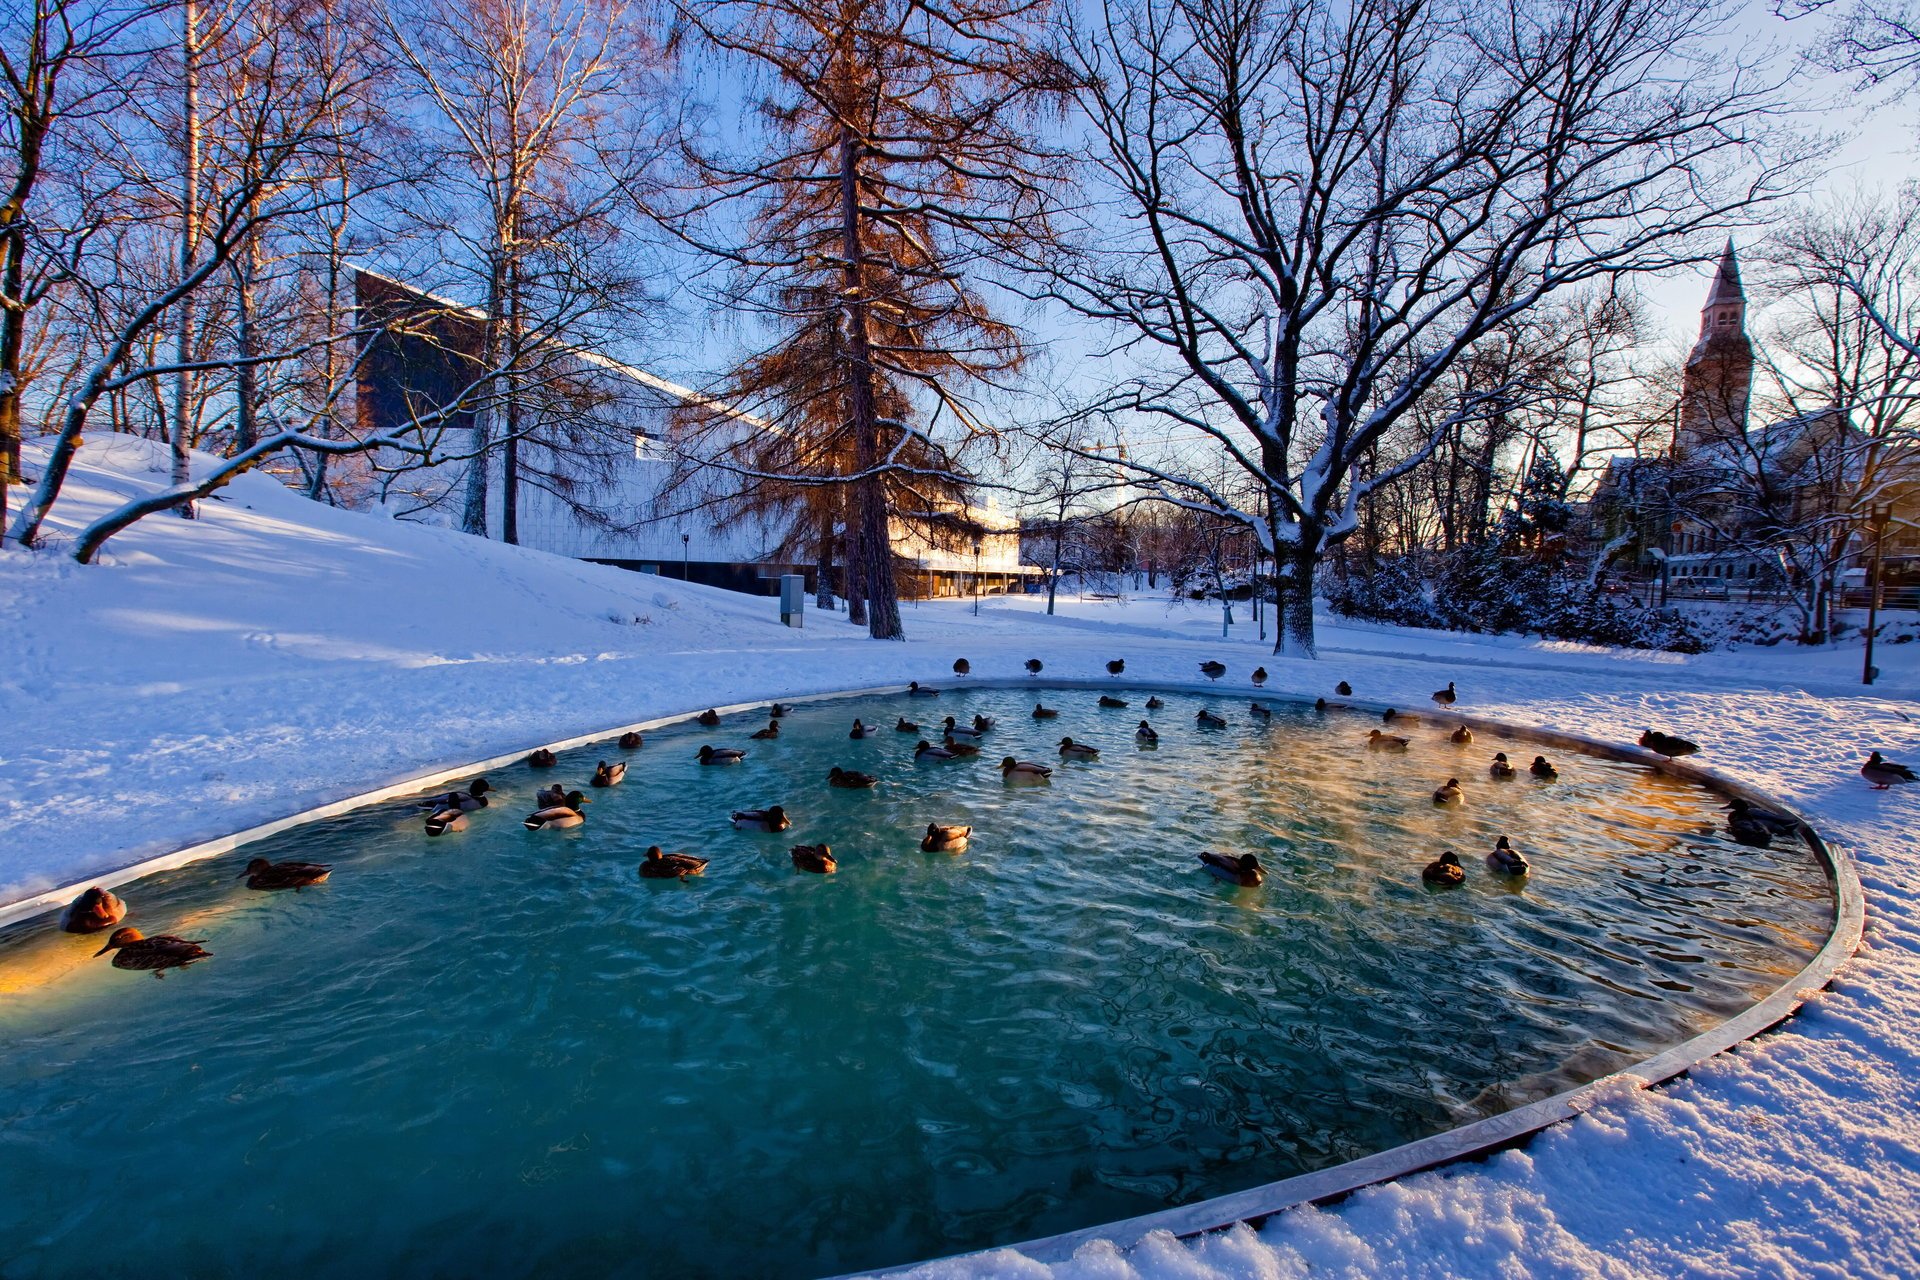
(276, 655)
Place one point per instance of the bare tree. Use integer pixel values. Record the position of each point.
(1318, 210)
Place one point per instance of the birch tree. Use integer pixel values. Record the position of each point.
(1308, 213)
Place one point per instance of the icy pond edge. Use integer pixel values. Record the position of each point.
(1474, 1139)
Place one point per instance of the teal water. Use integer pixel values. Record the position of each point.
(501, 1052)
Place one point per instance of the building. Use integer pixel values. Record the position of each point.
(597, 469)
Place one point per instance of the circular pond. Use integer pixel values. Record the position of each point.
(501, 1051)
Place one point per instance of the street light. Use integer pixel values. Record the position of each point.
(976, 577)
(686, 557)
(1881, 517)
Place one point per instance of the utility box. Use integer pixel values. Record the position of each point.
(793, 599)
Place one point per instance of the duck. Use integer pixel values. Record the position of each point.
(1146, 733)
(1117, 667)
(1780, 824)
(1391, 716)
(780, 710)
(1501, 767)
(1213, 670)
(941, 839)
(721, 755)
(767, 734)
(609, 775)
(850, 779)
(1044, 713)
(474, 797)
(547, 797)
(1155, 702)
(1450, 794)
(1071, 750)
(817, 858)
(1260, 711)
(954, 729)
(261, 874)
(1543, 769)
(1884, 773)
(1444, 870)
(1208, 718)
(1378, 741)
(1024, 771)
(560, 816)
(1242, 869)
(446, 817)
(1035, 666)
(771, 818)
(670, 866)
(630, 741)
(92, 911)
(1507, 860)
(709, 718)
(1446, 697)
(135, 950)
(1461, 737)
(1112, 703)
(961, 747)
(916, 690)
(927, 751)
(863, 730)
(542, 758)
(981, 724)
(1343, 689)
(1320, 705)
(961, 667)
(1666, 744)
(1259, 676)
(1749, 830)
(904, 725)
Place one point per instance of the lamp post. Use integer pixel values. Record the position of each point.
(686, 557)
(976, 577)
(1882, 516)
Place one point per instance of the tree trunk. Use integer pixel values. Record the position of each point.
(13, 277)
(473, 518)
(870, 502)
(823, 588)
(1294, 566)
(189, 248)
(510, 455)
(246, 393)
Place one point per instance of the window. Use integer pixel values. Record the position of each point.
(648, 447)
(1726, 318)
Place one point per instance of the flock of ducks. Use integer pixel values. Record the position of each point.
(97, 909)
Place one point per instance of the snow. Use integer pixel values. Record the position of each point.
(277, 654)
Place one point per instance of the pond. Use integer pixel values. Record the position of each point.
(502, 1051)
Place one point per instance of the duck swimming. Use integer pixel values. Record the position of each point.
(609, 775)
(261, 874)
(1207, 718)
(904, 725)
(1543, 769)
(542, 758)
(1390, 716)
(1024, 771)
(1749, 830)
(1884, 773)
(1071, 750)
(771, 818)
(547, 797)
(710, 718)
(1112, 703)
(135, 950)
(1146, 733)
(92, 911)
(670, 866)
(630, 741)
(721, 755)
(927, 751)
(1461, 737)
(1044, 713)
(960, 748)
(1450, 794)
(982, 724)
(1778, 823)
(474, 797)
(1154, 703)
(817, 858)
(916, 690)
(445, 818)
(560, 816)
(1260, 711)
(1244, 869)
(780, 710)
(1507, 860)
(941, 839)
(1378, 741)
(863, 730)
(1501, 768)
(1444, 870)
(1213, 670)
(954, 729)
(763, 735)
(851, 779)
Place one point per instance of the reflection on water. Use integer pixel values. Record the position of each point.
(503, 1051)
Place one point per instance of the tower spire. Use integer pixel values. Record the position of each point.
(1726, 281)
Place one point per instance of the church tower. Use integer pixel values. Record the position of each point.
(1719, 377)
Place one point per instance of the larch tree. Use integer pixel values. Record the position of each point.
(1305, 214)
(896, 151)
